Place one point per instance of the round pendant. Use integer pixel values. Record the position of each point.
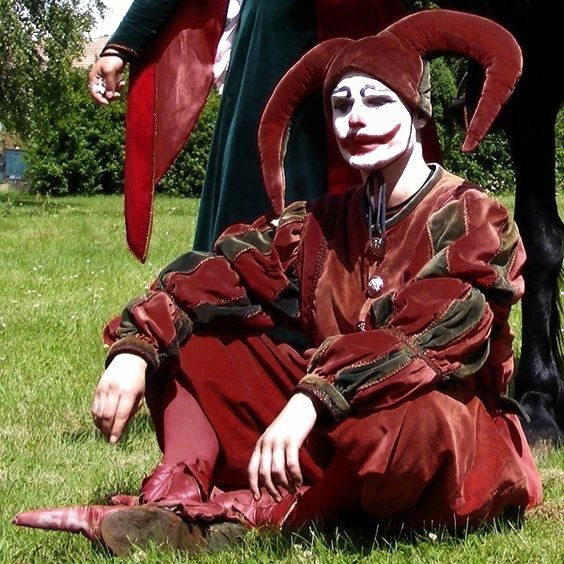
(375, 286)
(377, 247)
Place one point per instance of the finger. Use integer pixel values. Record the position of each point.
(108, 414)
(97, 93)
(99, 410)
(293, 466)
(265, 472)
(253, 472)
(95, 402)
(111, 84)
(124, 412)
(279, 477)
(99, 407)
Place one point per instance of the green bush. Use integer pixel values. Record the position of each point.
(78, 147)
(490, 165)
(186, 176)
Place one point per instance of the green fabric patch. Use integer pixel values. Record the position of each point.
(231, 245)
(459, 318)
(184, 263)
(446, 226)
(350, 379)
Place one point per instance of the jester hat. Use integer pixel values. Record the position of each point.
(395, 57)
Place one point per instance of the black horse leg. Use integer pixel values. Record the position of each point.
(538, 384)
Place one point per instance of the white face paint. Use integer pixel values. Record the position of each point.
(372, 125)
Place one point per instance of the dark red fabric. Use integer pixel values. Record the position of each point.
(168, 88)
(438, 458)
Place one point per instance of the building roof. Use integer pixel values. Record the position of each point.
(90, 53)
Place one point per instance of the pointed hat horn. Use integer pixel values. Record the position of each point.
(485, 41)
(303, 78)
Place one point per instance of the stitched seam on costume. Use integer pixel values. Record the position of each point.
(369, 385)
(324, 397)
(253, 314)
(512, 260)
(278, 292)
(320, 352)
(321, 253)
(236, 257)
(465, 216)
(222, 302)
(430, 238)
(412, 346)
(290, 221)
(361, 363)
(441, 315)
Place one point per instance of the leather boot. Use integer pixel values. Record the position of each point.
(83, 520)
(181, 482)
(241, 507)
(120, 528)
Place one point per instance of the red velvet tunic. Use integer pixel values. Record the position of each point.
(432, 337)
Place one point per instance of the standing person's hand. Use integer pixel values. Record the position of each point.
(118, 394)
(275, 460)
(105, 78)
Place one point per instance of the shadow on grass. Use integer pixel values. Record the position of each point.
(141, 425)
(356, 536)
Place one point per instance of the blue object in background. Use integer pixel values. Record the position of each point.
(12, 164)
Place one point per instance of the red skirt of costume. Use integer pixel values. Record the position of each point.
(439, 458)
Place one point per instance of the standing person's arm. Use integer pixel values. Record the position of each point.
(141, 23)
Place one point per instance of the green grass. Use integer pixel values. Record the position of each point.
(64, 272)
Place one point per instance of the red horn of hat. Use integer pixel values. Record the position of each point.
(485, 41)
(303, 78)
(394, 56)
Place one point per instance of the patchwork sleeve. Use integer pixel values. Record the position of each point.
(249, 282)
(438, 325)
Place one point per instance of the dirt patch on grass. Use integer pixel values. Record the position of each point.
(550, 510)
(551, 477)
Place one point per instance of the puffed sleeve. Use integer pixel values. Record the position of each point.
(248, 282)
(439, 325)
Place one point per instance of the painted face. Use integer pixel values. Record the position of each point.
(372, 125)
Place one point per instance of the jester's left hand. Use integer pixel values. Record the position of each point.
(274, 462)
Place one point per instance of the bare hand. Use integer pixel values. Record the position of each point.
(274, 462)
(118, 395)
(105, 79)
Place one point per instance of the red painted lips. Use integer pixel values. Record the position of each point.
(359, 143)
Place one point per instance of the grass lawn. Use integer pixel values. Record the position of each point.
(64, 272)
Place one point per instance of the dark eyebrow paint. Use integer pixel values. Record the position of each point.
(342, 89)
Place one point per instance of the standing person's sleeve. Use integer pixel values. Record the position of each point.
(141, 23)
(248, 283)
(438, 325)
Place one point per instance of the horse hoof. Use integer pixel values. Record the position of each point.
(543, 428)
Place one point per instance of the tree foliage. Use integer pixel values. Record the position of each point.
(38, 41)
(79, 146)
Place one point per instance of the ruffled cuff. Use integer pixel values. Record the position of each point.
(136, 346)
(325, 395)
